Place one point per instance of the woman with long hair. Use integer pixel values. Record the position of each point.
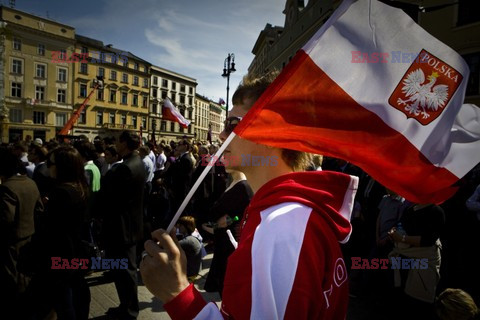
(61, 236)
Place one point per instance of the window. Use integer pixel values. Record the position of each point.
(60, 119)
(123, 119)
(83, 90)
(62, 75)
(163, 126)
(134, 122)
(182, 88)
(113, 95)
(16, 115)
(62, 95)
(172, 126)
(41, 49)
(473, 84)
(144, 122)
(135, 100)
(101, 72)
(16, 89)
(125, 78)
(113, 75)
(154, 93)
(165, 83)
(182, 99)
(135, 80)
(174, 97)
(40, 71)
(17, 44)
(17, 66)
(84, 50)
(124, 98)
(83, 68)
(145, 82)
(190, 100)
(190, 90)
(135, 66)
(99, 117)
(39, 93)
(100, 95)
(39, 117)
(164, 94)
(83, 116)
(144, 101)
(111, 117)
(125, 63)
(174, 85)
(63, 54)
(155, 81)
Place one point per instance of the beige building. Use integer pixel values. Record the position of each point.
(181, 90)
(124, 100)
(217, 119)
(33, 90)
(202, 117)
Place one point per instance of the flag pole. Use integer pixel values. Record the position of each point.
(199, 180)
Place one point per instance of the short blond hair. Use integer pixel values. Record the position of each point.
(251, 88)
(455, 304)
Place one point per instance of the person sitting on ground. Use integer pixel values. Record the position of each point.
(191, 244)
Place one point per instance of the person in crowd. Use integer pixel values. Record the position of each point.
(227, 212)
(121, 207)
(151, 151)
(418, 238)
(89, 155)
(473, 202)
(100, 161)
(19, 203)
(20, 149)
(288, 264)
(161, 159)
(456, 304)
(192, 245)
(41, 175)
(144, 151)
(391, 208)
(179, 174)
(112, 157)
(61, 235)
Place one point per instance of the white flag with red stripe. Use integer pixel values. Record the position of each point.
(169, 112)
(350, 93)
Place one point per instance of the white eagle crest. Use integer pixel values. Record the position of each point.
(426, 96)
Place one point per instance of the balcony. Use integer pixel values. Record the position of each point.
(119, 126)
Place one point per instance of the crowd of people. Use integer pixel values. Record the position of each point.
(104, 198)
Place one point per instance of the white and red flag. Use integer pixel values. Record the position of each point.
(402, 122)
(169, 112)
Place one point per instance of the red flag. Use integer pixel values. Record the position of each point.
(221, 101)
(169, 112)
(400, 121)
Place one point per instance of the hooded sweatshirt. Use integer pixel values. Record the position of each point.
(288, 264)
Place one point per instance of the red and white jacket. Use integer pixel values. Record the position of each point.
(288, 264)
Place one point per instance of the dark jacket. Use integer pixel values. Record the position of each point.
(121, 202)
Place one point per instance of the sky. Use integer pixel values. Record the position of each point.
(190, 37)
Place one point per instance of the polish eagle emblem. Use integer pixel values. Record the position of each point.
(423, 97)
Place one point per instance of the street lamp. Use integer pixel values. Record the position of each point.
(228, 67)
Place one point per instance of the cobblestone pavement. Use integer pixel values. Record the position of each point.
(105, 296)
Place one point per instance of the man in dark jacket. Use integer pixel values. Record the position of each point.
(121, 205)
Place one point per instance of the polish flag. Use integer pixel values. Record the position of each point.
(401, 122)
(169, 112)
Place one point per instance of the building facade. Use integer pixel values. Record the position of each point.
(33, 90)
(202, 117)
(181, 91)
(217, 120)
(123, 103)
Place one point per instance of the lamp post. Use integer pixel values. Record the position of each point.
(228, 67)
